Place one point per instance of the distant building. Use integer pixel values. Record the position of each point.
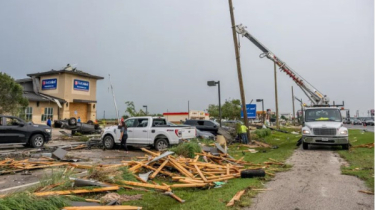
(177, 117)
(60, 94)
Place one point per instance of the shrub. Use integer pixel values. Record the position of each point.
(187, 149)
(261, 133)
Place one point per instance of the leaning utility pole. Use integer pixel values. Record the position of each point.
(276, 102)
(242, 91)
(294, 112)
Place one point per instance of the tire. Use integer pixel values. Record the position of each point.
(305, 146)
(72, 121)
(37, 140)
(253, 173)
(74, 132)
(90, 122)
(161, 144)
(345, 146)
(108, 142)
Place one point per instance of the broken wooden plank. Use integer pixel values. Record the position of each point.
(68, 192)
(159, 169)
(102, 208)
(367, 192)
(165, 188)
(200, 173)
(236, 198)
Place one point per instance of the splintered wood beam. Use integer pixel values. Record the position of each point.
(181, 168)
(187, 185)
(236, 198)
(102, 208)
(153, 175)
(200, 173)
(68, 192)
(149, 152)
(159, 187)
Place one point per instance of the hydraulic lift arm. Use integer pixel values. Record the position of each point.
(311, 92)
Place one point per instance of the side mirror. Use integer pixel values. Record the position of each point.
(21, 124)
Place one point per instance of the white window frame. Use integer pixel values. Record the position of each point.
(48, 112)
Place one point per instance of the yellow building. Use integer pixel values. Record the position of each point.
(60, 94)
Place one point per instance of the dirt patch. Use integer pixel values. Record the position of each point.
(314, 182)
(119, 198)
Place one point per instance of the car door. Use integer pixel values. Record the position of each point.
(4, 135)
(140, 131)
(13, 130)
(200, 125)
(210, 127)
(130, 124)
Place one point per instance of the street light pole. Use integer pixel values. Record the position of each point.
(294, 113)
(276, 100)
(218, 83)
(213, 83)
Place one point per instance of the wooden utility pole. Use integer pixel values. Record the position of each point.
(276, 101)
(242, 91)
(294, 112)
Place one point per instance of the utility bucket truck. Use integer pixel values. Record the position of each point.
(322, 123)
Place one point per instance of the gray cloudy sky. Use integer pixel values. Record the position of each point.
(161, 53)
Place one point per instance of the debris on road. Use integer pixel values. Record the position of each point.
(369, 145)
(367, 192)
(119, 198)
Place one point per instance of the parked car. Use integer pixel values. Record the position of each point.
(357, 122)
(148, 131)
(369, 122)
(347, 121)
(203, 125)
(13, 130)
(205, 135)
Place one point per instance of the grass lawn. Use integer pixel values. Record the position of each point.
(361, 160)
(218, 198)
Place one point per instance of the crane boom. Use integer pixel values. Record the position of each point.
(311, 92)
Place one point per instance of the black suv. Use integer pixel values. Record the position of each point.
(203, 125)
(13, 130)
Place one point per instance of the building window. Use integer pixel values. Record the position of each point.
(26, 114)
(48, 112)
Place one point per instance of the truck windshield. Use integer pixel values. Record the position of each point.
(322, 115)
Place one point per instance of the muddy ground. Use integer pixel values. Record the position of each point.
(314, 182)
(86, 157)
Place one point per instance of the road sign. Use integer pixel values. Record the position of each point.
(251, 110)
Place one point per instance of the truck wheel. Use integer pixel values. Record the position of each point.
(345, 146)
(161, 144)
(90, 122)
(108, 142)
(72, 121)
(37, 140)
(305, 146)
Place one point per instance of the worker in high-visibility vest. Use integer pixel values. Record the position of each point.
(244, 134)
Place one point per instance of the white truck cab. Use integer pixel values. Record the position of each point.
(148, 131)
(323, 125)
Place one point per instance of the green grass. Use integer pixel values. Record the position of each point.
(25, 201)
(217, 198)
(361, 160)
(187, 149)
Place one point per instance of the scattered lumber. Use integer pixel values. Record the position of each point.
(69, 192)
(369, 145)
(236, 197)
(367, 192)
(102, 208)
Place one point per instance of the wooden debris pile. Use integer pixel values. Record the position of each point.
(190, 172)
(369, 145)
(10, 165)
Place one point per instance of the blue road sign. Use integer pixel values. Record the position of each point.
(251, 110)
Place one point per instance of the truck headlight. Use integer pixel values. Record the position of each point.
(344, 132)
(306, 132)
(48, 130)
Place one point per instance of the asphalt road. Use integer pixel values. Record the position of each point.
(361, 127)
(314, 182)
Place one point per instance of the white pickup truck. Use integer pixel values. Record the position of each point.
(148, 131)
